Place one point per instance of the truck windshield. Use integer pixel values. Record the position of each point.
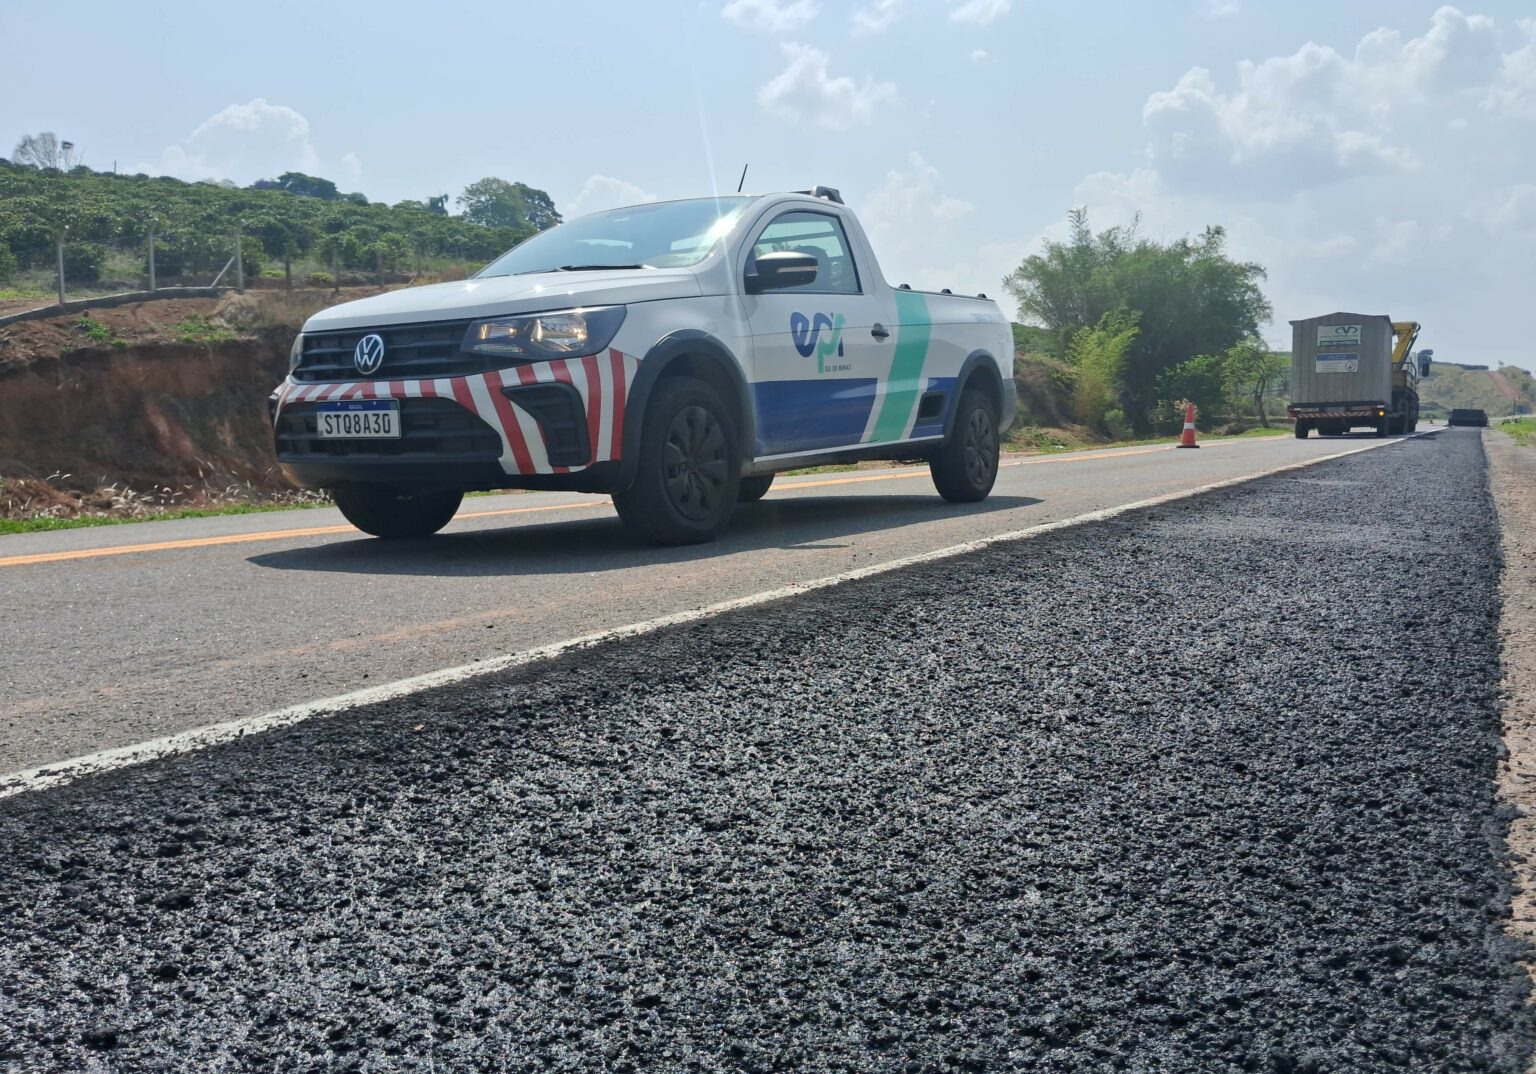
(668, 234)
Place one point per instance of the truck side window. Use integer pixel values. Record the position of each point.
(821, 235)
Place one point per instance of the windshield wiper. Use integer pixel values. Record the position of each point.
(575, 268)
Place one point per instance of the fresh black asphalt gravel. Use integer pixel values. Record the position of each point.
(1204, 788)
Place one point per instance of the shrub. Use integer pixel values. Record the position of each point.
(82, 262)
(320, 279)
(8, 266)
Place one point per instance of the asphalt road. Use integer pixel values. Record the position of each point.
(1207, 787)
(118, 635)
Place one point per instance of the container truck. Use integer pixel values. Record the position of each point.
(1352, 370)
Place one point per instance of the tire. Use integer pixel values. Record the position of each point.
(964, 468)
(1302, 429)
(753, 489)
(1381, 427)
(395, 513)
(689, 470)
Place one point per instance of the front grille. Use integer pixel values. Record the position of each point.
(411, 351)
(429, 428)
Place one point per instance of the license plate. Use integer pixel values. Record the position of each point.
(359, 419)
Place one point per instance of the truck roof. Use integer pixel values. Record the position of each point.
(1355, 316)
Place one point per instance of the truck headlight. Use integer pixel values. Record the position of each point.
(296, 352)
(559, 334)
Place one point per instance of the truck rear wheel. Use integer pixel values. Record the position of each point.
(689, 469)
(392, 512)
(964, 468)
(1302, 429)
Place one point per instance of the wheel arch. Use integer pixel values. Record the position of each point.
(688, 352)
(980, 371)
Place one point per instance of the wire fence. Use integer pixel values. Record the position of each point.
(70, 268)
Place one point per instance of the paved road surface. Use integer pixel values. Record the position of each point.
(213, 619)
(1140, 796)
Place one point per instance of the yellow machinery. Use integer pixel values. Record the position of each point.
(1404, 375)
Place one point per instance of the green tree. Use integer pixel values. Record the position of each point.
(308, 186)
(495, 202)
(1188, 298)
(1253, 373)
(1098, 355)
(1201, 380)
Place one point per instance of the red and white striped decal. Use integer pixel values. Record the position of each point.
(602, 381)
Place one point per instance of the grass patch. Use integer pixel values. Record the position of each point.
(43, 525)
(199, 329)
(1523, 430)
(98, 333)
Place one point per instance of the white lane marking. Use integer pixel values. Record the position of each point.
(62, 772)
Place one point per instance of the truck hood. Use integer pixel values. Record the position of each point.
(500, 295)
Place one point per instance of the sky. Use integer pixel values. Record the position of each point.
(1375, 157)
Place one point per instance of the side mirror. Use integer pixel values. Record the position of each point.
(1423, 367)
(780, 270)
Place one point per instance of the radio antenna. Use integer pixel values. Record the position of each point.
(743, 182)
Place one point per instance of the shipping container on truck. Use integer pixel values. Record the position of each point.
(1354, 370)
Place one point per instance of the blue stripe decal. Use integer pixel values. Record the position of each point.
(807, 415)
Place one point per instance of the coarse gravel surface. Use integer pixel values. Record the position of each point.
(1208, 787)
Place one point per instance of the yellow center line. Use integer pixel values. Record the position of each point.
(241, 538)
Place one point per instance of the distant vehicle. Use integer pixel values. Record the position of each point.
(1354, 369)
(1468, 416)
(674, 355)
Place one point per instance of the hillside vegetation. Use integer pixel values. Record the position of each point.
(295, 222)
(1452, 386)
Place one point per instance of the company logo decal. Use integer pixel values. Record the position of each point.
(368, 355)
(806, 333)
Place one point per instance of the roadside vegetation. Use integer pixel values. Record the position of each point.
(1122, 331)
(1523, 430)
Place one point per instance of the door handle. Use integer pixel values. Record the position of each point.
(879, 331)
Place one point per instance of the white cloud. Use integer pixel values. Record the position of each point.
(1221, 9)
(979, 12)
(1394, 175)
(806, 91)
(876, 17)
(1514, 92)
(915, 228)
(770, 16)
(251, 141)
(980, 56)
(1512, 209)
(1318, 116)
(605, 192)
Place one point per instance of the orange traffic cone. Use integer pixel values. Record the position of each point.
(1188, 438)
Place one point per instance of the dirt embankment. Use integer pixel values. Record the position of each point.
(144, 406)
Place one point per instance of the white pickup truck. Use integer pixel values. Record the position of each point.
(674, 355)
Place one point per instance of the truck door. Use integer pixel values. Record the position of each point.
(817, 349)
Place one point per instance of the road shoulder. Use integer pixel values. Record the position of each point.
(1512, 475)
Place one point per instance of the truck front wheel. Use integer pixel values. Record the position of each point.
(965, 466)
(754, 488)
(390, 511)
(689, 469)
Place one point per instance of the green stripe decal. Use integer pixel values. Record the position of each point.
(912, 334)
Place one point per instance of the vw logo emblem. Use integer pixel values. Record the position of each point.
(368, 355)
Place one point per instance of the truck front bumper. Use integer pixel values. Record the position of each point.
(534, 425)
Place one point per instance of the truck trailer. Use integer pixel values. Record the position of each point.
(1352, 370)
